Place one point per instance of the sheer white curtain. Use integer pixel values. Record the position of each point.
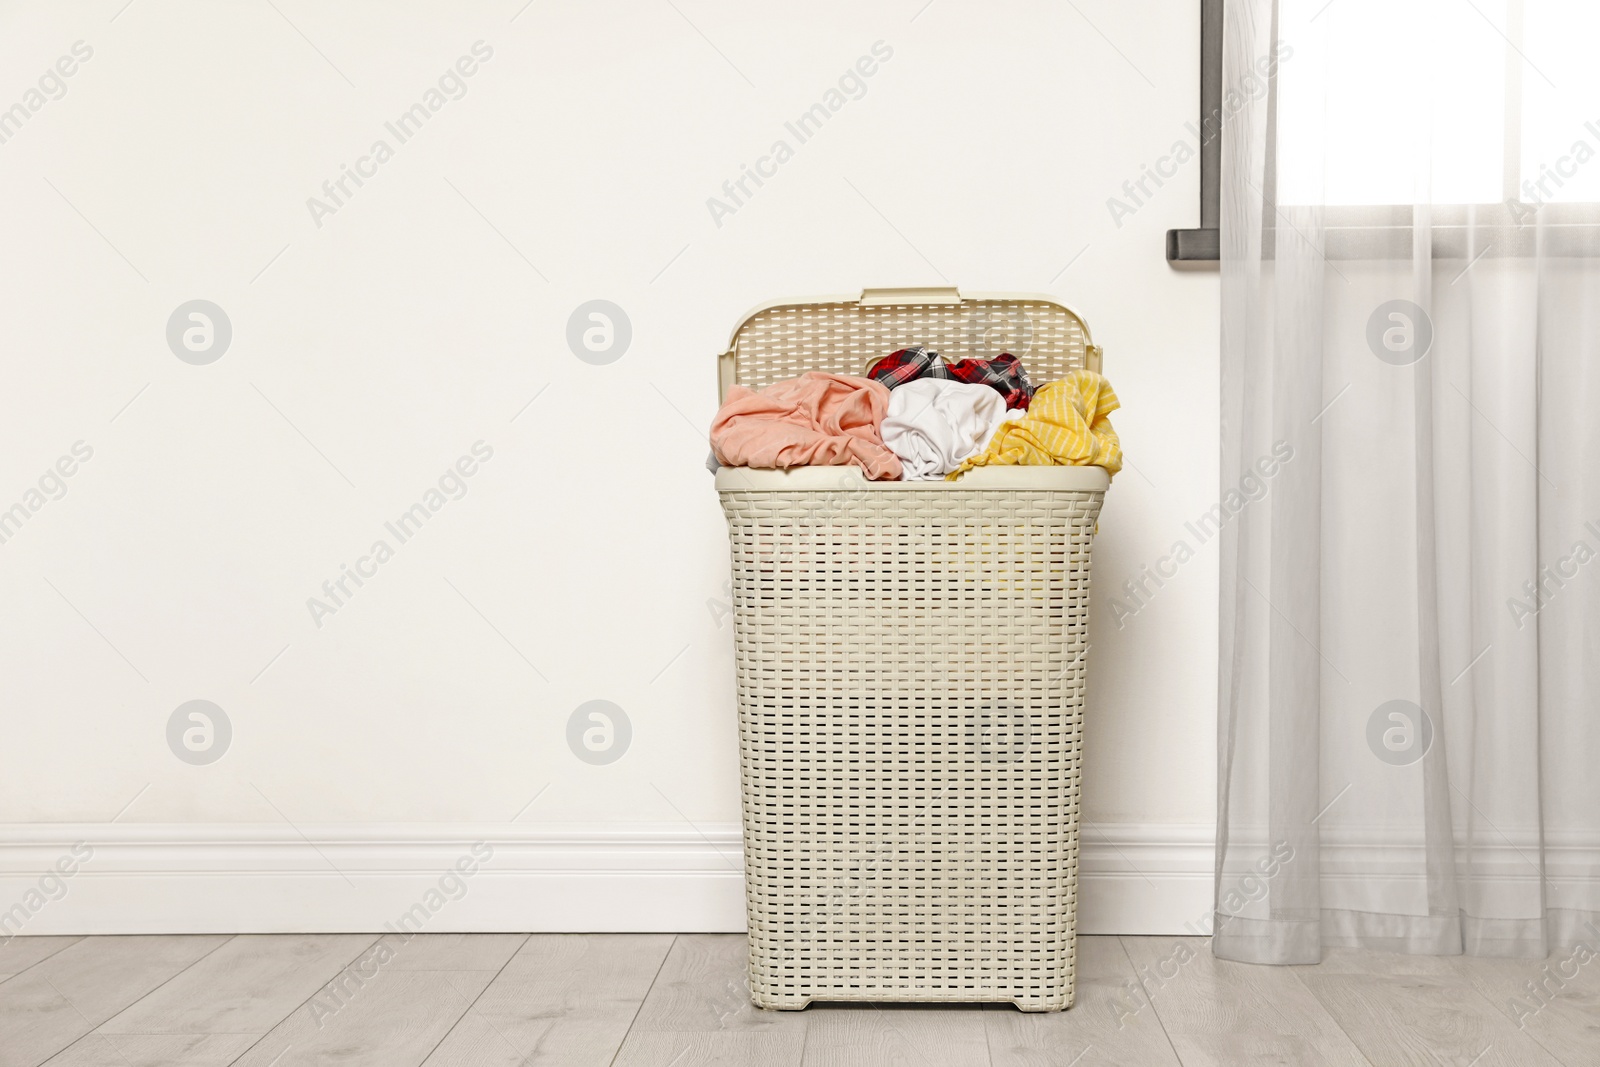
(1409, 743)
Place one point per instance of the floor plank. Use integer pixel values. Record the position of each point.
(563, 999)
(395, 1018)
(894, 1036)
(154, 1050)
(17, 954)
(1105, 1025)
(55, 1002)
(703, 987)
(246, 987)
(1218, 1013)
(719, 1048)
(1555, 1001)
(1425, 1020)
(452, 952)
(1561, 1010)
(699, 1009)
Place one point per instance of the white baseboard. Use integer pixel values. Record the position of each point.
(249, 878)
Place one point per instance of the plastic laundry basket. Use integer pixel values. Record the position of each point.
(910, 669)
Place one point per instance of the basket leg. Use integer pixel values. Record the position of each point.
(1044, 1004)
(779, 1002)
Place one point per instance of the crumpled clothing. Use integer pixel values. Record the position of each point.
(1066, 425)
(933, 425)
(817, 419)
(1004, 373)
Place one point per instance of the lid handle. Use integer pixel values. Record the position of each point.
(933, 294)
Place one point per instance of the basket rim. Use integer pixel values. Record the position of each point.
(836, 481)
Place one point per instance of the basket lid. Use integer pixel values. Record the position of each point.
(843, 334)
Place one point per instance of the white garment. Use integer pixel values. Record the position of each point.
(933, 424)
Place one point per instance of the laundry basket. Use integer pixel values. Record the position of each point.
(910, 670)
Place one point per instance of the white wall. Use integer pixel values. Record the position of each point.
(586, 559)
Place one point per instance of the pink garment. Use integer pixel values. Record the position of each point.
(817, 419)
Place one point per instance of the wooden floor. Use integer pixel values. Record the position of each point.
(487, 1000)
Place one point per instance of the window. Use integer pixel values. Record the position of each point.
(1418, 102)
(1488, 109)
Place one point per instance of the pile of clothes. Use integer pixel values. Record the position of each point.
(917, 417)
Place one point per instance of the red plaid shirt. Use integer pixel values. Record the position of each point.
(1004, 373)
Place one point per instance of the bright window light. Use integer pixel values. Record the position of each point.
(1401, 101)
(1561, 102)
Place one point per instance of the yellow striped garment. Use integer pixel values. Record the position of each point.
(1065, 424)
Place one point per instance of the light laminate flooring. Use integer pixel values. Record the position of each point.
(662, 1000)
